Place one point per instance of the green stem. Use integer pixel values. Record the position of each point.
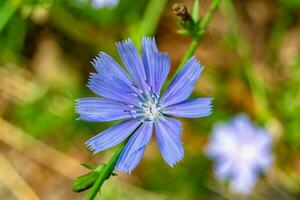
(203, 25)
(209, 14)
(193, 46)
(105, 173)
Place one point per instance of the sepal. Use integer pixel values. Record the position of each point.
(195, 12)
(190, 24)
(90, 167)
(85, 182)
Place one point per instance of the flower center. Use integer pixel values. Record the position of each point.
(247, 152)
(151, 110)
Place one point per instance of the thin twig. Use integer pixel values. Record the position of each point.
(203, 26)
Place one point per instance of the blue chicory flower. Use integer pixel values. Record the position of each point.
(241, 151)
(136, 98)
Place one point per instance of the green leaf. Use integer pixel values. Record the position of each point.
(91, 167)
(84, 182)
(201, 32)
(195, 12)
(184, 32)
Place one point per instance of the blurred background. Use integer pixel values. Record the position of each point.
(251, 54)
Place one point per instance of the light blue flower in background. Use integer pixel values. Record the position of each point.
(105, 3)
(136, 98)
(241, 151)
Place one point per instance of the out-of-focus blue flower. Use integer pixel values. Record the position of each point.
(136, 98)
(241, 151)
(105, 3)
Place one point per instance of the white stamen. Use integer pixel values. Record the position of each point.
(151, 110)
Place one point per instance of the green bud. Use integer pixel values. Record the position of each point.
(195, 12)
(90, 167)
(84, 182)
(186, 21)
(183, 32)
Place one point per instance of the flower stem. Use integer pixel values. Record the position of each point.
(188, 55)
(105, 173)
(209, 14)
(202, 27)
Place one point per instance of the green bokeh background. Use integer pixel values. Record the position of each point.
(251, 53)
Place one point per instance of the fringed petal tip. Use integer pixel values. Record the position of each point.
(210, 107)
(90, 147)
(176, 161)
(92, 75)
(76, 106)
(150, 40)
(121, 170)
(195, 62)
(97, 58)
(89, 84)
(123, 42)
(145, 37)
